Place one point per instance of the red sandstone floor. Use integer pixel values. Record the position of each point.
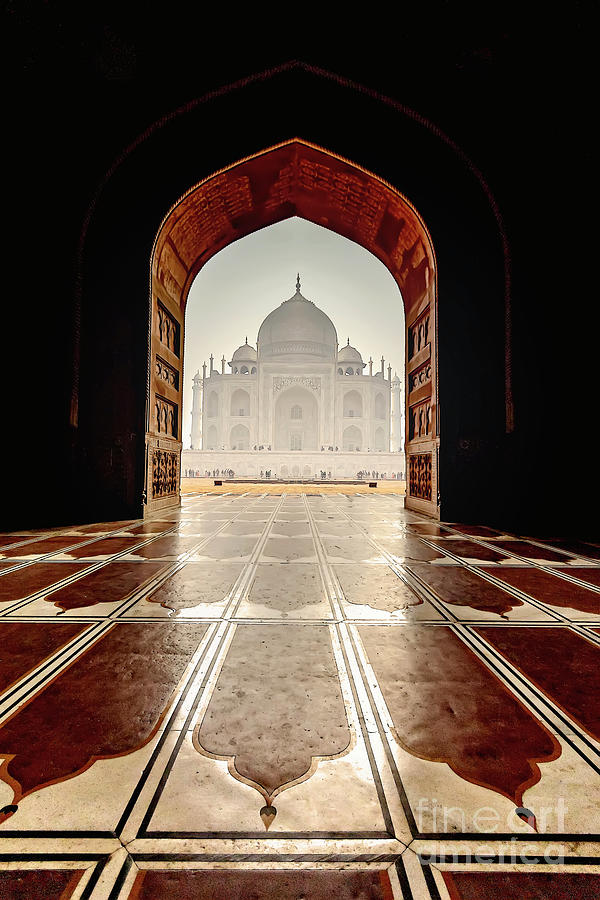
(306, 695)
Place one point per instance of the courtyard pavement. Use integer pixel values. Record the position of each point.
(298, 694)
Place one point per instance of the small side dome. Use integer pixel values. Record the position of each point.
(350, 354)
(245, 353)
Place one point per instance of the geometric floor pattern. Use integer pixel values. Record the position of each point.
(303, 695)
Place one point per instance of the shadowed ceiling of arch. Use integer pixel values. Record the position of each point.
(293, 179)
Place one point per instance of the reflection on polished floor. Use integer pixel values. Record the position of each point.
(298, 696)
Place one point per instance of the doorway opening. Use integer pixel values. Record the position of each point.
(292, 179)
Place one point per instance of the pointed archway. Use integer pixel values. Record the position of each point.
(294, 178)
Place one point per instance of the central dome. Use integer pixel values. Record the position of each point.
(297, 328)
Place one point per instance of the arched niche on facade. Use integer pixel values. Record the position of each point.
(240, 403)
(352, 438)
(239, 438)
(380, 441)
(212, 405)
(296, 420)
(353, 405)
(211, 438)
(380, 406)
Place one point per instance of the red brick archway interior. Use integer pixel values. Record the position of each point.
(292, 179)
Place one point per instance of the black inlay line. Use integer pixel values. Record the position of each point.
(264, 857)
(321, 563)
(405, 887)
(182, 735)
(173, 567)
(270, 836)
(537, 691)
(120, 879)
(511, 589)
(528, 703)
(165, 733)
(430, 597)
(93, 879)
(533, 562)
(76, 576)
(531, 859)
(374, 770)
(387, 749)
(430, 882)
(96, 566)
(245, 580)
(77, 651)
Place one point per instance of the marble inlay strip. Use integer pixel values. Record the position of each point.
(25, 646)
(563, 665)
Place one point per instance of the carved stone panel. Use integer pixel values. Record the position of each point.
(166, 373)
(165, 417)
(169, 330)
(419, 377)
(419, 476)
(419, 420)
(282, 382)
(419, 334)
(165, 473)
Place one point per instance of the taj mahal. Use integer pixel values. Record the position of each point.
(296, 405)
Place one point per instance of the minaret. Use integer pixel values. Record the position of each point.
(212, 360)
(196, 435)
(396, 415)
(223, 362)
(370, 365)
(382, 367)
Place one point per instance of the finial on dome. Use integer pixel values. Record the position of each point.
(348, 342)
(246, 340)
(298, 283)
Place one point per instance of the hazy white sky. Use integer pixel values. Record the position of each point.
(240, 286)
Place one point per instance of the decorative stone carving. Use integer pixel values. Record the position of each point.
(419, 334)
(419, 377)
(420, 420)
(419, 476)
(169, 329)
(167, 373)
(165, 473)
(165, 417)
(280, 382)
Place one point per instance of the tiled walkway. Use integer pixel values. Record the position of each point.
(298, 696)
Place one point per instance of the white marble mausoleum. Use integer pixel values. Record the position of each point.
(296, 405)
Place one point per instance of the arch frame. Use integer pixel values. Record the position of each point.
(109, 463)
(299, 178)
